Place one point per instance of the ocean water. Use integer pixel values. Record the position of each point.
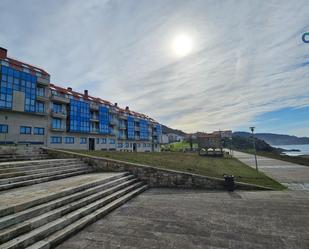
(304, 149)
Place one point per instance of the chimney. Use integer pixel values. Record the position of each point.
(116, 104)
(69, 88)
(86, 93)
(3, 53)
(127, 108)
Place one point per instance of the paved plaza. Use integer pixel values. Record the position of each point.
(176, 218)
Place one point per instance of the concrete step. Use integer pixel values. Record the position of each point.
(115, 199)
(6, 158)
(61, 235)
(25, 221)
(17, 164)
(51, 172)
(30, 170)
(43, 179)
(17, 200)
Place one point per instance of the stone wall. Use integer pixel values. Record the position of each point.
(153, 176)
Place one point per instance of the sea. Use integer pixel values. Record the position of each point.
(304, 149)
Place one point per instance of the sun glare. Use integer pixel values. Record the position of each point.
(182, 45)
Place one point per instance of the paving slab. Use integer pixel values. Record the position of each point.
(292, 175)
(176, 218)
(14, 197)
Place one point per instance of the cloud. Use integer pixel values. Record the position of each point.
(248, 57)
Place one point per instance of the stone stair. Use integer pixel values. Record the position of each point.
(21, 152)
(20, 174)
(45, 214)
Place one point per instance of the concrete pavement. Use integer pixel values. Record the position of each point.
(294, 176)
(192, 219)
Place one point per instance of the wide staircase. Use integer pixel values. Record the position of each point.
(43, 202)
(21, 152)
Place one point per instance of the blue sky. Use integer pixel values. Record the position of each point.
(248, 64)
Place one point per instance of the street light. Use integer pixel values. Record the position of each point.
(253, 138)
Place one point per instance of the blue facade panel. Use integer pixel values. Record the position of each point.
(12, 79)
(79, 116)
(158, 129)
(104, 120)
(130, 128)
(144, 133)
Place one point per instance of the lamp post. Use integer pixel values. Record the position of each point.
(253, 138)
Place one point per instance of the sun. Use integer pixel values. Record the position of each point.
(182, 45)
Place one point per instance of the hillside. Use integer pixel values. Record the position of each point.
(245, 143)
(275, 139)
(166, 130)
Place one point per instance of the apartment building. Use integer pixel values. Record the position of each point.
(34, 111)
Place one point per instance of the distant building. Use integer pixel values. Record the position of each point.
(34, 111)
(224, 134)
(172, 137)
(209, 140)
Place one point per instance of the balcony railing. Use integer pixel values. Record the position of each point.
(113, 121)
(94, 130)
(62, 128)
(61, 99)
(94, 106)
(122, 126)
(57, 114)
(122, 136)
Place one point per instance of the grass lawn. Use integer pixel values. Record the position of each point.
(193, 163)
(303, 160)
(179, 146)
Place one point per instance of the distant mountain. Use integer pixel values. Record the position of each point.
(275, 139)
(166, 130)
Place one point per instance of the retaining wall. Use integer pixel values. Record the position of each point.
(153, 176)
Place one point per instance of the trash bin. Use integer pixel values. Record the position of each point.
(229, 182)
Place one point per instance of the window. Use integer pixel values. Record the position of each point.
(56, 140)
(103, 140)
(127, 145)
(83, 140)
(120, 145)
(40, 107)
(98, 140)
(69, 140)
(3, 128)
(57, 108)
(38, 131)
(112, 141)
(144, 145)
(56, 123)
(40, 91)
(138, 145)
(25, 130)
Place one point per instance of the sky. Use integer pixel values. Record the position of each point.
(247, 63)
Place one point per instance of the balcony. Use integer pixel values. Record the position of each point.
(94, 130)
(58, 114)
(60, 129)
(113, 121)
(113, 132)
(136, 128)
(94, 118)
(122, 116)
(94, 106)
(61, 99)
(43, 81)
(122, 136)
(122, 126)
(42, 98)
